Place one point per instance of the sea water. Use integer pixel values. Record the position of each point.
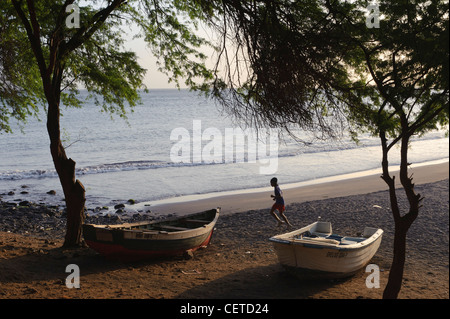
(119, 159)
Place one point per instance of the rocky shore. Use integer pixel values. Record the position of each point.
(23, 217)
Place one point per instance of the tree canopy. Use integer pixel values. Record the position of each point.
(93, 56)
(318, 65)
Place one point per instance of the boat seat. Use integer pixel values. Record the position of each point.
(335, 237)
(168, 227)
(319, 234)
(197, 221)
(319, 240)
(351, 240)
(347, 242)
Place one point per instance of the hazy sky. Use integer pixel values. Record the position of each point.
(153, 78)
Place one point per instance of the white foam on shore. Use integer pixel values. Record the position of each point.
(190, 198)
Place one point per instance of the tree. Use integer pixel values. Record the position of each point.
(407, 59)
(45, 56)
(279, 74)
(312, 60)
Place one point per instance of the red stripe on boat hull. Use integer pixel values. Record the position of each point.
(119, 252)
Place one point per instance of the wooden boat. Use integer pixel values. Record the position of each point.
(314, 251)
(144, 240)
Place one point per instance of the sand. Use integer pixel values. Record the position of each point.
(240, 262)
(257, 199)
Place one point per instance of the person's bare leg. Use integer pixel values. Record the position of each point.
(272, 212)
(286, 220)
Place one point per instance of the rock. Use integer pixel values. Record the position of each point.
(116, 218)
(25, 203)
(11, 193)
(50, 212)
(119, 206)
(188, 254)
(29, 291)
(131, 201)
(10, 204)
(51, 192)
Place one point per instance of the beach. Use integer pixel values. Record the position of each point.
(350, 184)
(240, 262)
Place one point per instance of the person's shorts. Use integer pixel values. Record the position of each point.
(279, 207)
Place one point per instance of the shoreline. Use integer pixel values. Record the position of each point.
(239, 200)
(324, 188)
(240, 262)
(25, 216)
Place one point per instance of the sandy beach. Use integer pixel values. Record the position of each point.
(240, 262)
(257, 199)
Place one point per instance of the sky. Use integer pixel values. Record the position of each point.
(155, 79)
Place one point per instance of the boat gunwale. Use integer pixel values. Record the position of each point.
(126, 226)
(288, 239)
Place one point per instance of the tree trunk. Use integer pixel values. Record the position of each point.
(396, 272)
(74, 194)
(51, 76)
(398, 263)
(402, 223)
(73, 189)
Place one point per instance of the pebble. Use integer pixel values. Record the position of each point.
(49, 221)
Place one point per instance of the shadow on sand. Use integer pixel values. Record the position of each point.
(263, 282)
(50, 265)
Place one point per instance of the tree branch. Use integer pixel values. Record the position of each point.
(31, 33)
(85, 32)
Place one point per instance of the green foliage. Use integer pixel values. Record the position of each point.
(405, 65)
(167, 28)
(93, 57)
(20, 86)
(317, 64)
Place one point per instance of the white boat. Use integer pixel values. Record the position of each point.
(314, 251)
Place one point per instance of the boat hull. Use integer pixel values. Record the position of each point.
(136, 244)
(324, 262)
(309, 259)
(133, 251)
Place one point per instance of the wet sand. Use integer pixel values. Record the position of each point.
(260, 198)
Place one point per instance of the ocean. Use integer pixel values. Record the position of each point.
(178, 144)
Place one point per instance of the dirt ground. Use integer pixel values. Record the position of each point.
(240, 262)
